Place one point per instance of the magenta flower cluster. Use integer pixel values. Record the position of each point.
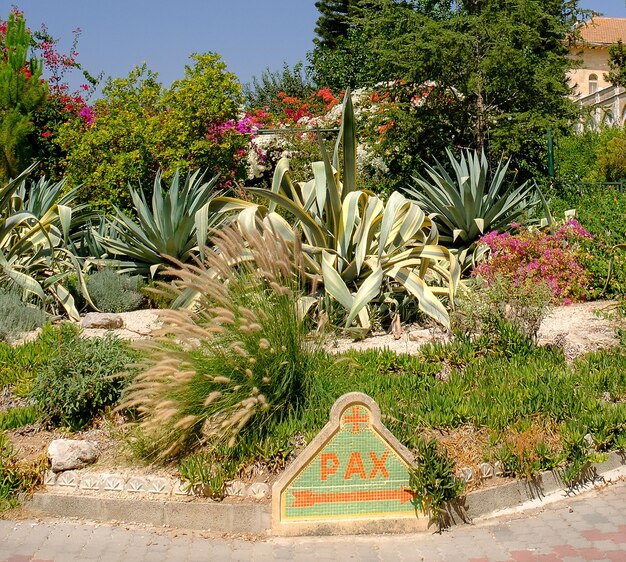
(538, 256)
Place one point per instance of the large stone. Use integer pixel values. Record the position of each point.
(71, 454)
(102, 321)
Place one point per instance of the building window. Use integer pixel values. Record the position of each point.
(593, 83)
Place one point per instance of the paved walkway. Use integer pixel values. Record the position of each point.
(589, 527)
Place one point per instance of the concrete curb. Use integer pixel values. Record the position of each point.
(256, 518)
(481, 503)
(214, 517)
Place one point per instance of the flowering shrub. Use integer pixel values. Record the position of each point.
(320, 110)
(536, 256)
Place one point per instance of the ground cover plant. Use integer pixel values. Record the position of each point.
(539, 257)
(17, 478)
(493, 397)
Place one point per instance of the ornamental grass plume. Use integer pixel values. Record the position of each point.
(235, 358)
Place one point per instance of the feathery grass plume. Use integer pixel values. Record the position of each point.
(236, 357)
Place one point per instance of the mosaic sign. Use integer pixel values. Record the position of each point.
(354, 474)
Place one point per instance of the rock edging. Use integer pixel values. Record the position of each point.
(161, 507)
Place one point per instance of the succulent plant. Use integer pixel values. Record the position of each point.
(467, 204)
(354, 243)
(175, 225)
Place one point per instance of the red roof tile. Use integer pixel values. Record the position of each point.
(603, 31)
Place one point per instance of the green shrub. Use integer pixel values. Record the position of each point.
(115, 292)
(17, 317)
(82, 379)
(601, 210)
(577, 154)
(482, 307)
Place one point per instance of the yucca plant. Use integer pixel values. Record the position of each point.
(470, 202)
(175, 226)
(233, 362)
(356, 245)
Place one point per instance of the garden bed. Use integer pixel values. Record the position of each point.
(575, 329)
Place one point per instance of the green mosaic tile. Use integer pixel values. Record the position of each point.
(355, 474)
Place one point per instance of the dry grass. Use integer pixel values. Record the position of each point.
(234, 354)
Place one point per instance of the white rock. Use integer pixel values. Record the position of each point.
(102, 320)
(421, 335)
(70, 454)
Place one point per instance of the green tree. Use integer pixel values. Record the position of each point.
(617, 64)
(502, 64)
(140, 127)
(263, 91)
(333, 22)
(21, 93)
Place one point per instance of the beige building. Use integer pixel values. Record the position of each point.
(607, 104)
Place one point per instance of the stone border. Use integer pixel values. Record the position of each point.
(199, 513)
(86, 482)
(481, 503)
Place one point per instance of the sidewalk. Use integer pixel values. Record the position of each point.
(591, 526)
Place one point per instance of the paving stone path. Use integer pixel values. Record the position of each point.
(589, 527)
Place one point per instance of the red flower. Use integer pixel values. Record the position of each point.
(46, 134)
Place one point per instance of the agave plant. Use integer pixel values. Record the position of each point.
(176, 225)
(355, 245)
(34, 227)
(465, 204)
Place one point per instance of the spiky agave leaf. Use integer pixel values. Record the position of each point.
(175, 224)
(465, 204)
(352, 241)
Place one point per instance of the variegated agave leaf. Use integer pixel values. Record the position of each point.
(353, 241)
(34, 228)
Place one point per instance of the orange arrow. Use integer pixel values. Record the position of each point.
(307, 498)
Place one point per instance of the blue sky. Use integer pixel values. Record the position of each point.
(250, 35)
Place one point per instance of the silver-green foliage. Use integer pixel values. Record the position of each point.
(17, 316)
(356, 245)
(175, 225)
(111, 291)
(471, 201)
